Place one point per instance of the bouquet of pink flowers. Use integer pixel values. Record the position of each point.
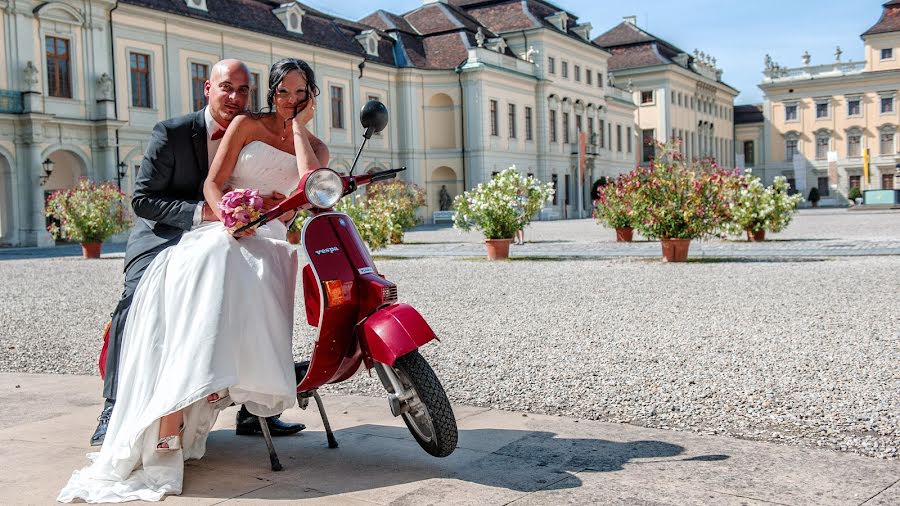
(240, 207)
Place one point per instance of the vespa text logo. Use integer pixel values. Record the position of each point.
(333, 249)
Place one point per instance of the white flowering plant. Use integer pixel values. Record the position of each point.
(503, 205)
(755, 207)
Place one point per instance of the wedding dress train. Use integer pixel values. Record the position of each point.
(210, 313)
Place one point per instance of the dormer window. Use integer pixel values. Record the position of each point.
(560, 20)
(583, 30)
(199, 5)
(291, 16)
(369, 41)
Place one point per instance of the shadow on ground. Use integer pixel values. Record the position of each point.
(372, 457)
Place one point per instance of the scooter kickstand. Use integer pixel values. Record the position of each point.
(273, 457)
(332, 442)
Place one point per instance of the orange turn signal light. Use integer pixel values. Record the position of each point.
(334, 293)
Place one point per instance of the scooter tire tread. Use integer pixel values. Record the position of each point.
(433, 395)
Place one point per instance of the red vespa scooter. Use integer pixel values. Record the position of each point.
(359, 321)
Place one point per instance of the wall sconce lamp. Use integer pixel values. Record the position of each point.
(121, 171)
(48, 170)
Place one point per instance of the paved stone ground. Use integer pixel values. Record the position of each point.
(502, 458)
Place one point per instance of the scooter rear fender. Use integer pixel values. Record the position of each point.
(394, 331)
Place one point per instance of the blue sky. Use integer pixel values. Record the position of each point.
(738, 33)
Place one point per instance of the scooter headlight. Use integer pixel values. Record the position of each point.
(324, 188)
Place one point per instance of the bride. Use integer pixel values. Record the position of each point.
(212, 316)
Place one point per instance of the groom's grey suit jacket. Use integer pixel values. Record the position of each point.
(169, 184)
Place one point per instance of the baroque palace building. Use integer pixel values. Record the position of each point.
(681, 96)
(819, 123)
(473, 86)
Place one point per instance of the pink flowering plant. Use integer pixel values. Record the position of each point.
(90, 212)
(614, 205)
(240, 207)
(675, 199)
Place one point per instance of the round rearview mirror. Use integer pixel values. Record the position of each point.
(373, 116)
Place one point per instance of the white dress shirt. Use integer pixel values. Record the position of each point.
(211, 147)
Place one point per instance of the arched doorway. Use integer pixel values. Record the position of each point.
(68, 168)
(442, 177)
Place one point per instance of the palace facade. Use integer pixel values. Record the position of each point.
(680, 96)
(821, 123)
(472, 86)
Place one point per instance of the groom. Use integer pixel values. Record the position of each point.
(168, 201)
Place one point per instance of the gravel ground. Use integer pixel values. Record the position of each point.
(800, 352)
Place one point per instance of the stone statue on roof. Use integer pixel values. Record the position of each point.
(837, 54)
(479, 37)
(806, 58)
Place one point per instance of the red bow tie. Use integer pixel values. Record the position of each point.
(218, 134)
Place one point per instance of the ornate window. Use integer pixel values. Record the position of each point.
(254, 92)
(140, 80)
(511, 118)
(854, 106)
(199, 76)
(887, 104)
(529, 131)
(337, 107)
(791, 145)
(823, 141)
(821, 110)
(790, 112)
(59, 67)
(553, 135)
(749, 154)
(565, 127)
(551, 65)
(886, 135)
(854, 143)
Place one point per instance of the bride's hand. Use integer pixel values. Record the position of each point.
(305, 115)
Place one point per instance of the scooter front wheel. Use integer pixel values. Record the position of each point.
(426, 409)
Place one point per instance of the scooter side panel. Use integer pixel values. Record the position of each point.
(335, 350)
(394, 331)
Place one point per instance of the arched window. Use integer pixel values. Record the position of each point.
(887, 140)
(854, 142)
(823, 143)
(791, 145)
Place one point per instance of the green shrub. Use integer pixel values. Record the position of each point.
(813, 195)
(854, 193)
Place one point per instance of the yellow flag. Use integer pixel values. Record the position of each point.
(866, 168)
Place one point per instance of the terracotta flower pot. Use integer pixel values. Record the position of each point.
(293, 236)
(91, 249)
(675, 250)
(497, 249)
(756, 236)
(624, 234)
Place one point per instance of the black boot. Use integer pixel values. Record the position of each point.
(247, 424)
(103, 419)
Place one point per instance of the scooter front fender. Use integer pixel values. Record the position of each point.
(394, 331)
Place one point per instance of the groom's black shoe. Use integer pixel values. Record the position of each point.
(103, 419)
(247, 424)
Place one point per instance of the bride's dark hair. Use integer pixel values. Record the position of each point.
(280, 69)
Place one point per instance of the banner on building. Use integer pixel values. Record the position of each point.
(582, 146)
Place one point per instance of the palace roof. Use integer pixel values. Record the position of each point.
(889, 21)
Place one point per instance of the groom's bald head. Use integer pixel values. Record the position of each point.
(228, 90)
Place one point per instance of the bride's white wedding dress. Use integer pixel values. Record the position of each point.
(210, 313)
